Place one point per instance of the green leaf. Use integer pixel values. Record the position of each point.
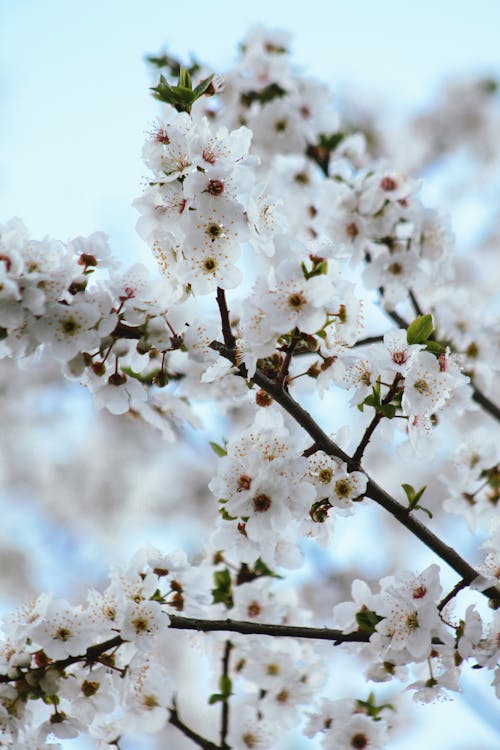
(222, 591)
(185, 79)
(409, 492)
(218, 449)
(421, 507)
(412, 494)
(420, 329)
(434, 347)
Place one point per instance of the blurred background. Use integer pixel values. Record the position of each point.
(80, 490)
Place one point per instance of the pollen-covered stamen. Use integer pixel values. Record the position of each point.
(388, 184)
(421, 386)
(352, 230)
(69, 326)
(244, 482)
(399, 358)
(297, 300)
(161, 135)
(283, 696)
(412, 621)
(359, 741)
(150, 702)
(343, 488)
(89, 688)
(62, 634)
(141, 625)
(209, 264)
(214, 231)
(254, 609)
(419, 592)
(209, 156)
(249, 740)
(395, 268)
(325, 476)
(261, 503)
(215, 187)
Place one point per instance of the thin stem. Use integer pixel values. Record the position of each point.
(282, 377)
(414, 302)
(368, 340)
(378, 416)
(224, 719)
(176, 721)
(485, 402)
(451, 594)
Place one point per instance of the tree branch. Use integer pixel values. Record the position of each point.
(178, 622)
(281, 380)
(227, 333)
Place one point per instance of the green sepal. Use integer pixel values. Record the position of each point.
(367, 620)
(331, 141)
(216, 698)
(371, 709)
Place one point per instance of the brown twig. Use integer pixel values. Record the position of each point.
(283, 374)
(227, 333)
(176, 721)
(378, 416)
(224, 720)
(451, 594)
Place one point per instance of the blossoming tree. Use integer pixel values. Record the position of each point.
(296, 262)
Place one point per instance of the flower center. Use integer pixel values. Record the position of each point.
(395, 268)
(359, 741)
(261, 503)
(421, 386)
(297, 300)
(215, 187)
(342, 488)
(254, 609)
(388, 184)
